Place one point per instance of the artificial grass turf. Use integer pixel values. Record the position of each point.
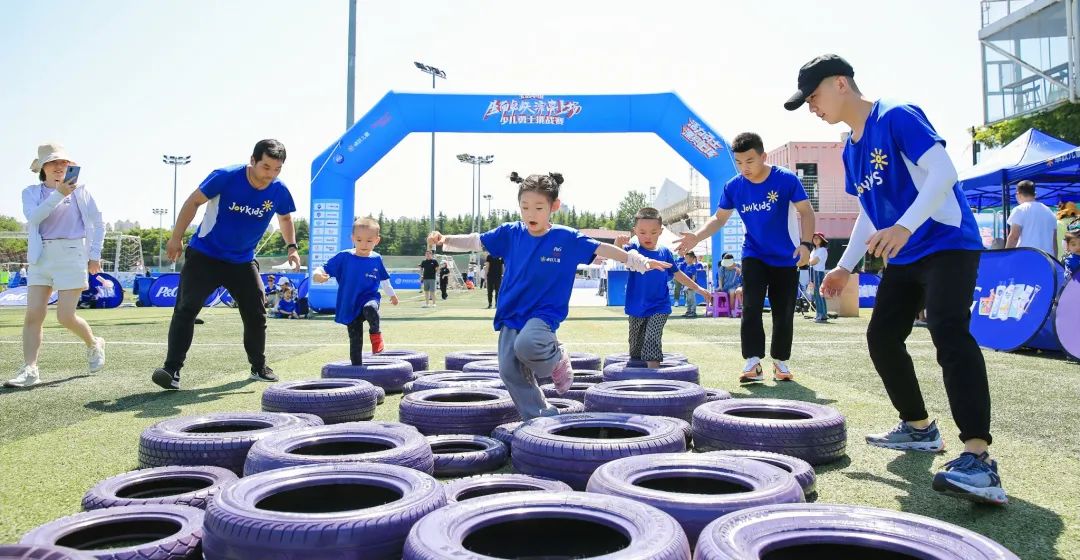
(60, 438)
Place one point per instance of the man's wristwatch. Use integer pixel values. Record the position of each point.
(808, 245)
(292, 246)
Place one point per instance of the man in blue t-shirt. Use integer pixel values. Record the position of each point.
(240, 201)
(914, 215)
(767, 198)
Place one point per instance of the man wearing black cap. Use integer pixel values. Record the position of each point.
(914, 215)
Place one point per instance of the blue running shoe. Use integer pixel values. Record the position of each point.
(971, 477)
(906, 438)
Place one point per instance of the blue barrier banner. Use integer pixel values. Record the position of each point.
(868, 285)
(1014, 295)
(405, 280)
(1067, 320)
(105, 291)
(16, 297)
(163, 290)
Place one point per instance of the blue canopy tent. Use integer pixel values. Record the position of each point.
(1054, 166)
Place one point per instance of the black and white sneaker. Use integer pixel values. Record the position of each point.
(263, 374)
(166, 379)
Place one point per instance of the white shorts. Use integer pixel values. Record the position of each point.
(62, 265)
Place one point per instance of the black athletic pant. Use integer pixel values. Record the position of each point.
(493, 284)
(943, 284)
(370, 313)
(782, 283)
(443, 283)
(199, 277)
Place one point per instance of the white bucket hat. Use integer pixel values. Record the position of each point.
(49, 152)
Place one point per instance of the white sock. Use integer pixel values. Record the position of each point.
(782, 366)
(752, 363)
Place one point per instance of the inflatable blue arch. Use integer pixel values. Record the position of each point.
(335, 171)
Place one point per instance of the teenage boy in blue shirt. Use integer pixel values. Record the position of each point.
(767, 197)
(914, 215)
(240, 201)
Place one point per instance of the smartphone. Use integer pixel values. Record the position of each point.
(72, 174)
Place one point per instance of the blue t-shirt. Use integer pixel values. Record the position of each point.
(880, 170)
(1072, 265)
(286, 306)
(768, 210)
(358, 281)
(691, 270)
(539, 272)
(729, 278)
(237, 214)
(647, 294)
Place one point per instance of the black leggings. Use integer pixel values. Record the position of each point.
(782, 283)
(199, 277)
(493, 284)
(943, 284)
(370, 313)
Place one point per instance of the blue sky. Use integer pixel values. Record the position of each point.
(121, 82)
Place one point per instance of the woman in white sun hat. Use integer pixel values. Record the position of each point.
(65, 233)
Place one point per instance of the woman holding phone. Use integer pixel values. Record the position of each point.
(65, 233)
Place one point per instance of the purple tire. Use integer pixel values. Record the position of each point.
(670, 371)
(696, 489)
(465, 455)
(584, 360)
(625, 357)
(40, 552)
(353, 442)
(576, 392)
(716, 394)
(325, 511)
(840, 531)
(159, 532)
(522, 526)
(653, 397)
(388, 373)
(459, 410)
(802, 471)
(418, 360)
(505, 433)
(814, 433)
(333, 400)
(485, 366)
(457, 379)
(569, 447)
(457, 360)
(588, 376)
(184, 486)
(220, 439)
(479, 486)
(567, 406)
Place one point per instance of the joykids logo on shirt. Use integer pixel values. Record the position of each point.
(257, 212)
(880, 160)
(556, 256)
(764, 206)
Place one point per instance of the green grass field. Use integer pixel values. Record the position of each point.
(75, 429)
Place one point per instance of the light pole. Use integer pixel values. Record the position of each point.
(488, 198)
(160, 213)
(435, 73)
(476, 162)
(176, 162)
(350, 79)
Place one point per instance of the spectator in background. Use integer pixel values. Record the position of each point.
(818, 258)
(286, 307)
(272, 292)
(494, 268)
(428, 269)
(690, 267)
(731, 280)
(1032, 224)
(444, 278)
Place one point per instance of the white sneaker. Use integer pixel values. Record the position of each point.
(95, 355)
(28, 376)
(425, 305)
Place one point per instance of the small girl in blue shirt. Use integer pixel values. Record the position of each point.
(540, 263)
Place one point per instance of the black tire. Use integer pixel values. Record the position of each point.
(464, 455)
(576, 392)
(841, 531)
(654, 397)
(671, 371)
(185, 486)
(716, 394)
(482, 366)
(418, 360)
(802, 471)
(388, 373)
(567, 406)
(814, 433)
(457, 360)
(32, 552)
(456, 379)
(478, 486)
(157, 532)
(695, 489)
(354, 442)
(588, 376)
(547, 525)
(463, 410)
(333, 400)
(569, 447)
(625, 357)
(211, 439)
(505, 433)
(584, 360)
(329, 511)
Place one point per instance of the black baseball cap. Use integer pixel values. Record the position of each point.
(813, 72)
